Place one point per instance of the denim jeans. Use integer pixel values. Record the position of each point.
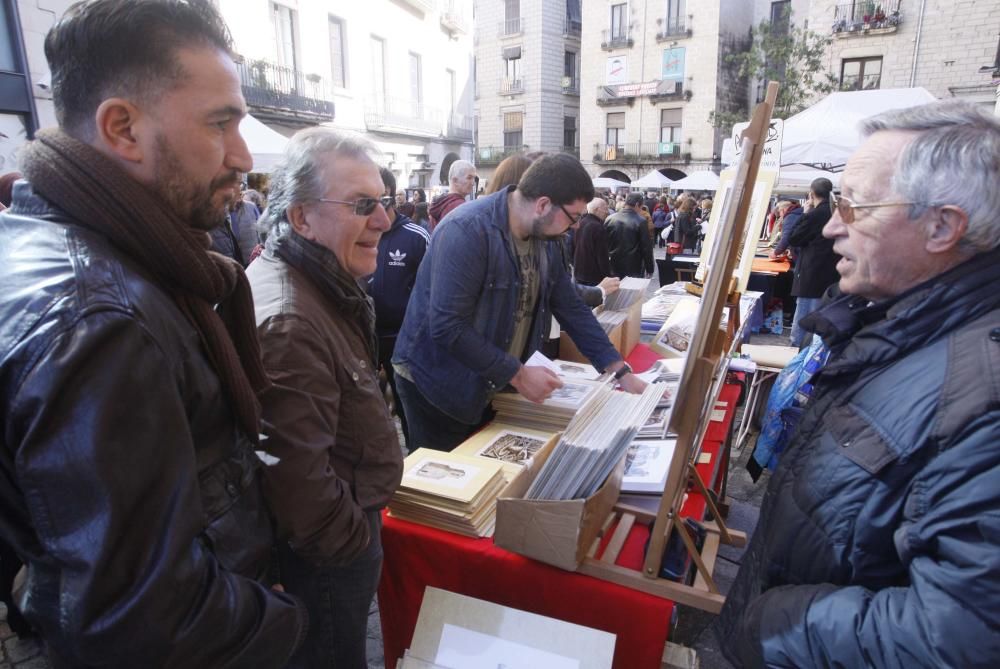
(430, 427)
(338, 600)
(803, 307)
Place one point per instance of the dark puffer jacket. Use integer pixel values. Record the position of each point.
(879, 537)
(125, 483)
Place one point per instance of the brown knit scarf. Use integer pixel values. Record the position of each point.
(101, 196)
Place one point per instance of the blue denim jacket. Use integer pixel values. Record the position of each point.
(460, 319)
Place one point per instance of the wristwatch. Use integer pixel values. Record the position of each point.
(622, 371)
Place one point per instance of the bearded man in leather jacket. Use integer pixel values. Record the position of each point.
(879, 537)
(129, 364)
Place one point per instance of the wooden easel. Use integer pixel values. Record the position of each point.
(696, 397)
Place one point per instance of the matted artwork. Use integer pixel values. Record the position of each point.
(510, 446)
(448, 474)
(647, 464)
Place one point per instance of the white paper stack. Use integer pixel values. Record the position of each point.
(552, 415)
(594, 442)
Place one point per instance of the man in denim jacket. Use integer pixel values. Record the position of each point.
(490, 281)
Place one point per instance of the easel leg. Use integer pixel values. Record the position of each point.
(712, 508)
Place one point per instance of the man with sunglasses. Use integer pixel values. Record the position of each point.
(485, 293)
(335, 455)
(878, 543)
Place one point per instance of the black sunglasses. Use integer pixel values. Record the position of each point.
(363, 206)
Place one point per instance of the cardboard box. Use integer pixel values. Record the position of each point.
(623, 337)
(558, 532)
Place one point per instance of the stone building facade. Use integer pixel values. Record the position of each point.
(528, 55)
(653, 71)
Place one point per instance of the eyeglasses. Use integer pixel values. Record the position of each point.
(845, 206)
(575, 219)
(363, 206)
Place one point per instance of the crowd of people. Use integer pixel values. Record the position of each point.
(197, 448)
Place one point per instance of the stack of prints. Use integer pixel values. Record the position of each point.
(630, 291)
(646, 466)
(594, 442)
(552, 415)
(449, 491)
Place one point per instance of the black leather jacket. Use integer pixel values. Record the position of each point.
(125, 484)
(629, 244)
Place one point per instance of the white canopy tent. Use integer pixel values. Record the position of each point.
(607, 182)
(266, 146)
(826, 134)
(702, 180)
(654, 179)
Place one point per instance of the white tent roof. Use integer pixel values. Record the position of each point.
(654, 179)
(826, 134)
(266, 146)
(607, 182)
(702, 180)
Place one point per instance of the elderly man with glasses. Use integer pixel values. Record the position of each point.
(879, 537)
(335, 458)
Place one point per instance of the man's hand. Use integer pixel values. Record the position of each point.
(631, 383)
(535, 383)
(610, 284)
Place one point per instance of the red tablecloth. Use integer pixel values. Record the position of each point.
(417, 556)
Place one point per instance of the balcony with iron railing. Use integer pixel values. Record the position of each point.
(511, 86)
(572, 27)
(619, 38)
(639, 152)
(866, 18)
(570, 85)
(403, 116)
(459, 127)
(282, 93)
(453, 16)
(673, 30)
(858, 83)
(492, 155)
(510, 27)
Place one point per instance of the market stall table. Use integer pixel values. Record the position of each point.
(417, 556)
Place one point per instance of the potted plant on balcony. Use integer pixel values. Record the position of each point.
(866, 16)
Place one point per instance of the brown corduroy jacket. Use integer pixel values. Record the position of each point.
(326, 421)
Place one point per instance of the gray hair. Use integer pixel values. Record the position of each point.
(300, 176)
(955, 159)
(460, 169)
(594, 205)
